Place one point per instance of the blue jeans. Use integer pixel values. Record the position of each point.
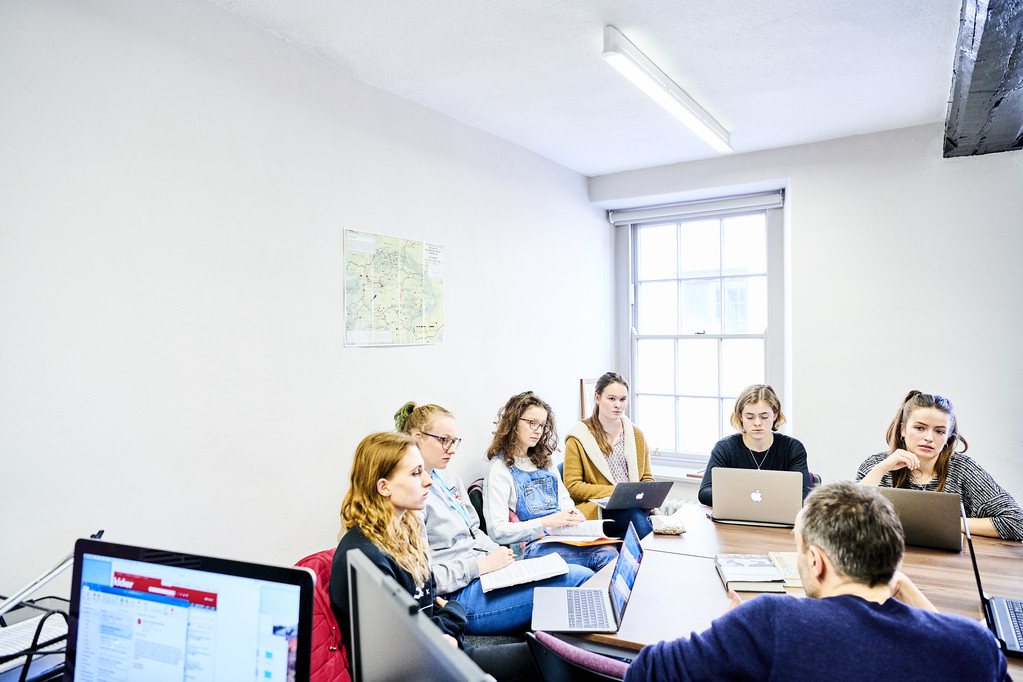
(640, 518)
(509, 609)
(593, 558)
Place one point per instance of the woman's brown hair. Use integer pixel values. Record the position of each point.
(506, 436)
(914, 401)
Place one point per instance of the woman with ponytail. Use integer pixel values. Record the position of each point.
(460, 551)
(924, 454)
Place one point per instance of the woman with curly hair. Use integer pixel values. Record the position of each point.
(522, 480)
(388, 484)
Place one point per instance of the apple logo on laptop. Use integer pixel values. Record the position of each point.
(640, 496)
(755, 496)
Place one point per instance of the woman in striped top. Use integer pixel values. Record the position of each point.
(923, 455)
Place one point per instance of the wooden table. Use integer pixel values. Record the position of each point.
(678, 591)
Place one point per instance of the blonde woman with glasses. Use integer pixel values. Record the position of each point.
(522, 480)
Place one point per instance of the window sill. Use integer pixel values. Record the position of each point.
(676, 473)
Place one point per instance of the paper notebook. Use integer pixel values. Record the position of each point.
(524, 571)
(586, 533)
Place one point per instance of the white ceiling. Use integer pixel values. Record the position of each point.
(773, 72)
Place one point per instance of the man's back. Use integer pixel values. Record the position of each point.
(774, 637)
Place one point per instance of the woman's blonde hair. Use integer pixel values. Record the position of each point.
(755, 394)
(377, 457)
(411, 417)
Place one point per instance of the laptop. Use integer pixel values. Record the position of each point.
(591, 609)
(392, 639)
(1004, 616)
(929, 519)
(753, 497)
(635, 495)
(145, 614)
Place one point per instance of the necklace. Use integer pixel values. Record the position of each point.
(754, 457)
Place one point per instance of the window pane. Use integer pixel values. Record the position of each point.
(745, 245)
(701, 307)
(701, 248)
(727, 405)
(698, 367)
(655, 365)
(697, 424)
(746, 305)
(742, 364)
(657, 416)
(657, 253)
(657, 308)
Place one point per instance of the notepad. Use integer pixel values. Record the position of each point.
(749, 573)
(524, 571)
(585, 534)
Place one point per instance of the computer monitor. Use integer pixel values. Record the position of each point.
(391, 639)
(147, 615)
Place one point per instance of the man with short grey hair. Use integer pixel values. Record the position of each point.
(866, 620)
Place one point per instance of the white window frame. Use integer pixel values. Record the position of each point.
(626, 224)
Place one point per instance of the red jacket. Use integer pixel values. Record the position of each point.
(329, 659)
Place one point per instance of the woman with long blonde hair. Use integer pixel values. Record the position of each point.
(388, 485)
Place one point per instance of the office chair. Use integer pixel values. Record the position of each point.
(475, 491)
(328, 661)
(559, 661)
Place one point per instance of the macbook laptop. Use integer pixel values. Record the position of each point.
(639, 495)
(1004, 616)
(145, 614)
(392, 639)
(754, 497)
(929, 519)
(587, 609)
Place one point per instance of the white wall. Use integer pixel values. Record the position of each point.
(903, 274)
(174, 186)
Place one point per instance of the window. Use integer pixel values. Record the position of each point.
(702, 318)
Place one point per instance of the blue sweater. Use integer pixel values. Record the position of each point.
(778, 637)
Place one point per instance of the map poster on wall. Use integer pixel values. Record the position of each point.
(394, 291)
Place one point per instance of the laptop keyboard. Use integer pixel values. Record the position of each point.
(1015, 609)
(586, 609)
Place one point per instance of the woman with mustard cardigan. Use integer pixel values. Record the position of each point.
(606, 449)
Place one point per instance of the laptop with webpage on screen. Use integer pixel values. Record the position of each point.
(146, 615)
(591, 609)
(1004, 616)
(754, 497)
(929, 519)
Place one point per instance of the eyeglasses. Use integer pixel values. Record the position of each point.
(445, 442)
(533, 424)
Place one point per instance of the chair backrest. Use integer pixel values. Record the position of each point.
(475, 491)
(329, 658)
(815, 480)
(559, 661)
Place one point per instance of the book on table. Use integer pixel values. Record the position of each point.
(749, 573)
(786, 563)
(524, 571)
(585, 534)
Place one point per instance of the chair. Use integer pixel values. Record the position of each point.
(815, 480)
(475, 491)
(559, 661)
(328, 661)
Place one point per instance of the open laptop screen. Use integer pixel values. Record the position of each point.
(156, 616)
(630, 554)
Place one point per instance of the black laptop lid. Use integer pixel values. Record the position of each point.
(153, 616)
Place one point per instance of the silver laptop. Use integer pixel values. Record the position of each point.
(638, 495)
(929, 519)
(754, 497)
(587, 609)
(1004, 616)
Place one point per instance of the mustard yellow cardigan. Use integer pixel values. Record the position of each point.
(587, 474)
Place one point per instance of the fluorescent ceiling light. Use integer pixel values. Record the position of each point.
(620, 53)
